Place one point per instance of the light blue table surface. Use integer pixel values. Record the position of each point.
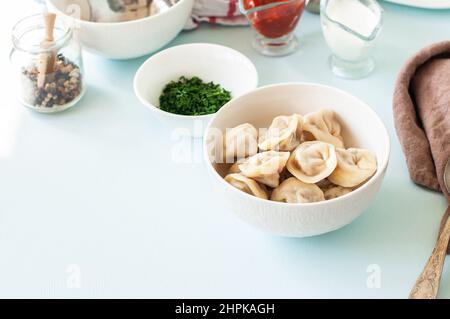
(91, 204)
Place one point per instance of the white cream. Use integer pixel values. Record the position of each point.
(356, 16)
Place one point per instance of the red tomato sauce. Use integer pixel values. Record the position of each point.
(277, 21)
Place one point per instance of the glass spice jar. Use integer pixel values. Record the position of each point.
(60, 84)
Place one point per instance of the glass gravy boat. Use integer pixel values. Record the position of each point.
(274, 22)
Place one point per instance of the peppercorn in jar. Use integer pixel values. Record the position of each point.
(48, 63)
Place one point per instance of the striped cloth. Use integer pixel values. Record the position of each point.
(224, 12)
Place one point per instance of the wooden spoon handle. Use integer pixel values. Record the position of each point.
(49, 19)
(46, 61)
(427, 285)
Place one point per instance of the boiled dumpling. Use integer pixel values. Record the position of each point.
(265, 167)
(354, 166)
(247, 185)
(241, 141)
(312, 161)
(324, 126)
(294, 191)
(336, 191)
(284, 134)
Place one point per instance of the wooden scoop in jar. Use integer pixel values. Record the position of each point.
(46, 63)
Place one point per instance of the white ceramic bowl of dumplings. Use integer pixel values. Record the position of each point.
(123, 40)
(210, 62)
(361, 128)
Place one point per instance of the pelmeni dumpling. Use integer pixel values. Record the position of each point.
(336, 191)
(247, 185)
(265, 167)
(241, 141)
(312, 161)
(294, 191)
(354, 166)
(324, 126)
(284, 134)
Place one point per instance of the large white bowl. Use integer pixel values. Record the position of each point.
(130, 39)
(361, 128)
(210, 62)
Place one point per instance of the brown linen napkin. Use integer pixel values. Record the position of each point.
(422, 116)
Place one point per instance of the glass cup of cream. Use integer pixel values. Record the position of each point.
(350, 28)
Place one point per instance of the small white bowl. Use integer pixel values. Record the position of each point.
(124, 40)
(210, 62)
(361, 128)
